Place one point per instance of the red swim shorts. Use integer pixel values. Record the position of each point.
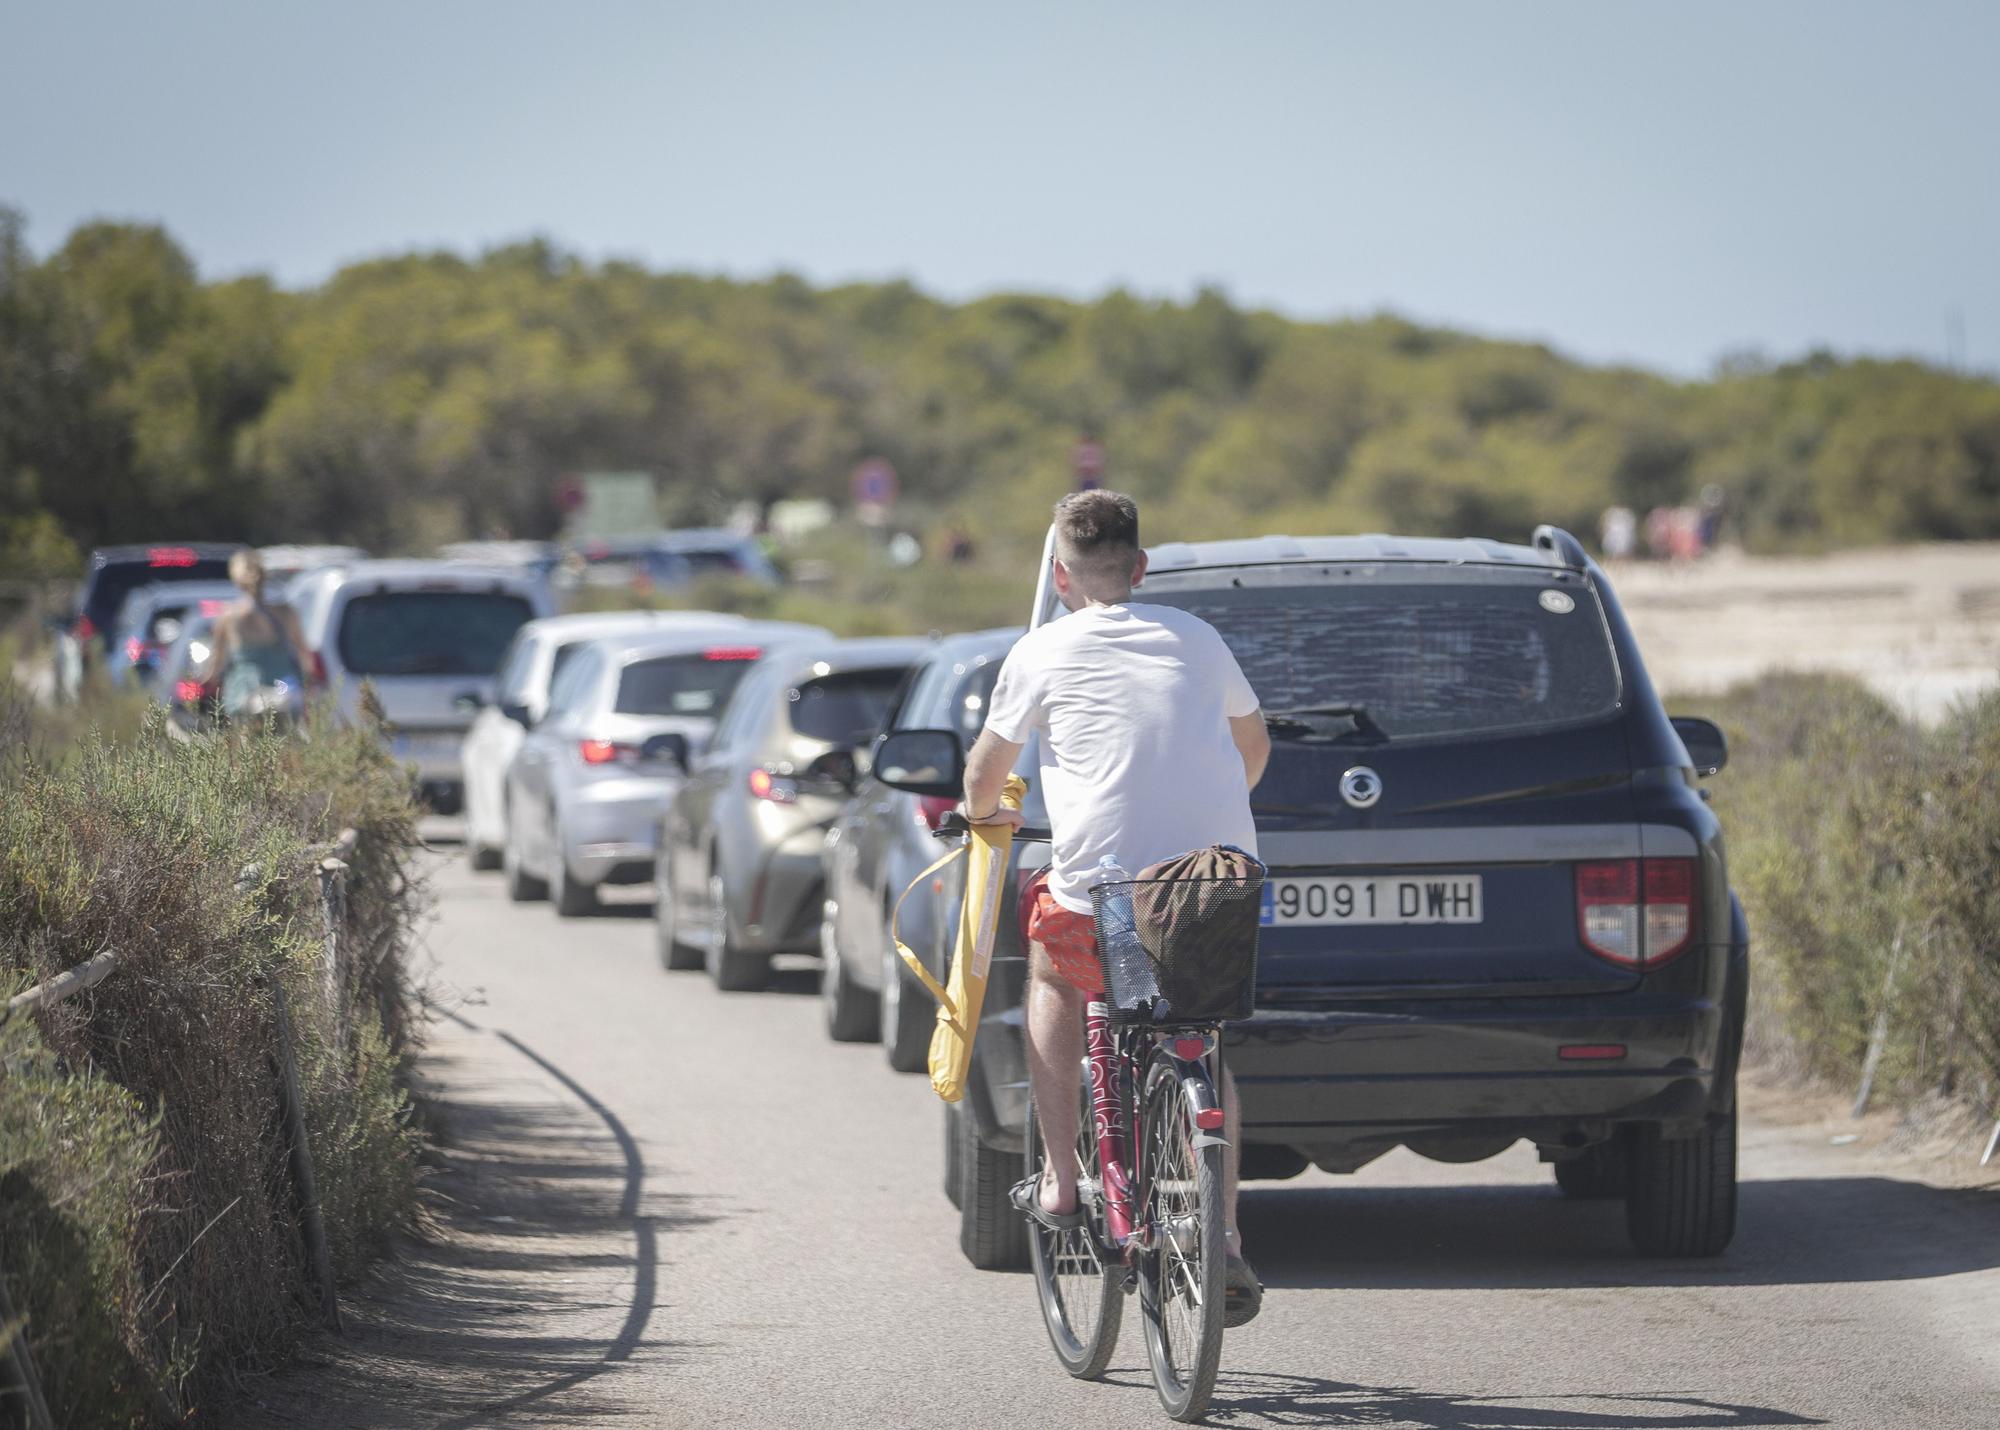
(1070, 938)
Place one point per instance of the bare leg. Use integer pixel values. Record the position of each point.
(1232, 1158)
(1055, 1072)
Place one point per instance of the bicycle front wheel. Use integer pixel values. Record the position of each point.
(1082, 1294)
(1181, 1277)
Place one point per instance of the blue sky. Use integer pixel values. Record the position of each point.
(1656, 183)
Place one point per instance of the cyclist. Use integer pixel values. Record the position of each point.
(1152, 740)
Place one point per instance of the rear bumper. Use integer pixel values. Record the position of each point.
(1343, 1085)
(611, 828)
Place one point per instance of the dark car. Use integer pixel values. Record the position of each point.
(114, 573)
(881, 841)
(1497, 907)
(737, 876)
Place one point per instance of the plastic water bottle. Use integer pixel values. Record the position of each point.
(1124, 955)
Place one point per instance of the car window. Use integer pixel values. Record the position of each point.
(565, 653)
(696, 685)
(572, 688)
(1424, 656)
(429, 632)
(744, 708)
(846, 708)
(967, 711)
(515, 668)
(916, 701)
(111, 584)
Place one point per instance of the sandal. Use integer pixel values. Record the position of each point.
(1242, 1292)
(1026, 1197)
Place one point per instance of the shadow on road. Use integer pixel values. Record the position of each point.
(1789, 1232)
(543, 1277)
(1246, 1398)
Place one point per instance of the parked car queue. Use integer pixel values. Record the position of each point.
(1497, 907)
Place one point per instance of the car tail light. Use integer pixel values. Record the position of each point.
(1636, 913)
(135, 649)
(732, 652)
(932, 808)
(170, 556)
(607, 752)
(188, 692)
(778, 789)
(318, 671)
(86, 628)
(213, 607)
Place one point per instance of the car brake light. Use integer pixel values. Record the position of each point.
(932, 808)
(86, 628)
(170, 556)
(778, 789)
(135, 649)
(188, 692)
(1636, 913)
(597, 752)
(732, 652)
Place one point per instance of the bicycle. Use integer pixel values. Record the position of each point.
(1150, 1149)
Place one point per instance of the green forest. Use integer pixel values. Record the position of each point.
(419, 399)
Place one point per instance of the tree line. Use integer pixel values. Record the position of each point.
(412, 400)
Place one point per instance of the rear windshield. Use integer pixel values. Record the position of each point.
(429, 632)
(1422, 657)
(165, 624)
(678, 685)
(110, 585)
(846, 709)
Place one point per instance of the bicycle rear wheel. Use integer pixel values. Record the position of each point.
(1181, 1278)
(1081, 1291)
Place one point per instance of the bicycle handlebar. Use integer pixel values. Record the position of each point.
(954, 826)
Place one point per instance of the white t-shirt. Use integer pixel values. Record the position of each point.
(1137, 759)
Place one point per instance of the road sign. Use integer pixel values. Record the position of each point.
(874, 490)
(1088, 459)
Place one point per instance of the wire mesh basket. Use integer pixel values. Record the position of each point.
(1200, 940)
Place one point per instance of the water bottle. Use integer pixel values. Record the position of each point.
(1131, 970)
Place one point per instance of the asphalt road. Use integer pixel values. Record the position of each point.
(684, 1208)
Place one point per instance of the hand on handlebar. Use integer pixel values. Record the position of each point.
(1013, 818)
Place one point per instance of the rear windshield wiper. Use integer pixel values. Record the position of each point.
(1330, 723)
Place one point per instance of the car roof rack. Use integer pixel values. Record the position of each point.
(1559, 548)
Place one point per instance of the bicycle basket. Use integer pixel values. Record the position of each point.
(1199, 931)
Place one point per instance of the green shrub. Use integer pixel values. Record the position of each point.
(139, 845)
(1865, 848)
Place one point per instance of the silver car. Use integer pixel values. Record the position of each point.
(585, 792)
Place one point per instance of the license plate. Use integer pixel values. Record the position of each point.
(1383, 899)
(426, 744)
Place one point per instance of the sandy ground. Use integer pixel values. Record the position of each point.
(1921, 624)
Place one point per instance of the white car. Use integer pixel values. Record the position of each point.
(428, 635)
(541, 649)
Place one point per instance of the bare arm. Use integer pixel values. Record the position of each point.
(221, 641)
(1253, 743)
(986, 770)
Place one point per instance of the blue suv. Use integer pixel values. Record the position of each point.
(1498, 906)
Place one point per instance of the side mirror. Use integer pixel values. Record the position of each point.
(1708, 750)
(670, 746)
(835, 767)
(929, 762)
(518, 714)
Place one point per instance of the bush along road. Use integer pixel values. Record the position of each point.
(196, 1150)
(672, 1206)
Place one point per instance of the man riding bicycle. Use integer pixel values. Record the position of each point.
(1152, 741)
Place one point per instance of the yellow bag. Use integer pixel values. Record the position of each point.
(986, 853)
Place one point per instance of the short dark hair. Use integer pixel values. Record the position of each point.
(1098, 533)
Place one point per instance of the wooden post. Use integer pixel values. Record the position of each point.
(291, 1109)
(22, 1366)
(1880, 1035)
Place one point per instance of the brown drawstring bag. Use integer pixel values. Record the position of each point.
(1197, 914)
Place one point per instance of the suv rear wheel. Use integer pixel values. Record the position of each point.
(733, 970)
(1682, 1198)
(907, 1015)
(993, 1236)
